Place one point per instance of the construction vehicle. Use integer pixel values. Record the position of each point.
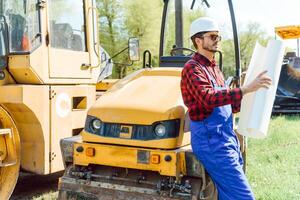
(288, 92)
(49, 66)
(136, 140)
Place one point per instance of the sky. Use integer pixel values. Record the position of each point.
(268, 13)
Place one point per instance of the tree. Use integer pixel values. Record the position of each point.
(110, 23)
(120, 20)
(108, 17)
(248, 39)
(143, 20)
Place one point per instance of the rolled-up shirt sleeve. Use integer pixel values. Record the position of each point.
(236, 106)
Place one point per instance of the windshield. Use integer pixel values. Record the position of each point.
(23, 24)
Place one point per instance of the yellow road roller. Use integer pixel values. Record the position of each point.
(49, 66)
(136, 140)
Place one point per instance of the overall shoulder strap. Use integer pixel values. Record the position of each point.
(211, 78)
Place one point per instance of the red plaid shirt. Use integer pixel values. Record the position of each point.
(198, 92)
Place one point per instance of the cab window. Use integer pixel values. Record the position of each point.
(23, 24)
(67, 29)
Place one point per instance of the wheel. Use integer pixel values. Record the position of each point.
(203, 189)
(9, 173)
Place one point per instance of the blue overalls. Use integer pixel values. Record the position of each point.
(215, 144)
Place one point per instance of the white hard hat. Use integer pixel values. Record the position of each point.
(203, 24)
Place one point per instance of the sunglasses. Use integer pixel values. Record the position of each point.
(213, 37)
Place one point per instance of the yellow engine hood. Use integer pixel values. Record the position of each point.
(144, 97)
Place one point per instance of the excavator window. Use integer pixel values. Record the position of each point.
(67, 25)
(23, 24)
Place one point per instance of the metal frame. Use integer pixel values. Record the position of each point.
(234, 29)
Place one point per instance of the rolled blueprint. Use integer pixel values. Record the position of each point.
(256, 107)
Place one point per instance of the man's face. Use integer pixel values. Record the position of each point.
(210, 41)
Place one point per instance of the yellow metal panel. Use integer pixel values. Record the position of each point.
(20, 68)
(34, 68)
(288, 32)
(142, 98)
(127, 157)
(29, 107)
(67, 64)
(64, 119)
(8, 79)
(137, 95)
(105, 84)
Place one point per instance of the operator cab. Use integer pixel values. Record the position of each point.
(55, 46)
(24, 30)
(24, 25)
(176, 47)
(175, 44)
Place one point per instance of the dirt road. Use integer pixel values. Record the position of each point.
(31, 186)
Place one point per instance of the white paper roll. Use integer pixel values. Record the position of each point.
(256, 107)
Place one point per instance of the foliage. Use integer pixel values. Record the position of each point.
(131, 19)
(110, 25)
(188, 17)
(120, 20)
(143, 20)
(248, 39)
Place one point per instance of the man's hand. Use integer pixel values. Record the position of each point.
(261, 81)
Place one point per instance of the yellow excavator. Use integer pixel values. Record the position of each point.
(287, 99)
(136, 140)
(49, 67)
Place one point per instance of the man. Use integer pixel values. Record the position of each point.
(211, 104)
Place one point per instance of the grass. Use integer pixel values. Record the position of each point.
(273, 164)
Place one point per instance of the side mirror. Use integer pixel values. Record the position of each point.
(134, 46)
(3, 43)
(103, 57)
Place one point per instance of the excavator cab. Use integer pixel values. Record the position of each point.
(136, 139)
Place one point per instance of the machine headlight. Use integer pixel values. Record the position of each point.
(95, 125)
(160, 130)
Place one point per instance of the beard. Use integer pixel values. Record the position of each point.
(210, 48)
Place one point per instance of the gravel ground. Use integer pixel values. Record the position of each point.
(31, 186)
